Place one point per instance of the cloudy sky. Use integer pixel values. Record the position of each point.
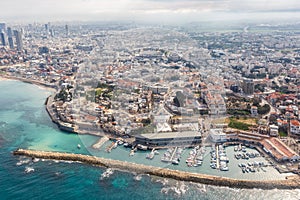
(148, 10)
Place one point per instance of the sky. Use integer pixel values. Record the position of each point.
(147, 10)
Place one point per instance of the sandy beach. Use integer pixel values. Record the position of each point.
(39, 84)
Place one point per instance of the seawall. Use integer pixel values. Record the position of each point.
(289, 183)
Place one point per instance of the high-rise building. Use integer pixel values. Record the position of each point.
(67, 29)
(46, 27)
(3, 39)
(248, 86)
(2, 27)
(51, 32)
(10, 38)
(9, 32)
(19, 40)
(11, 42)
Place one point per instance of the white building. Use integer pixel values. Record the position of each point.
(295, 127)
(254, 111)
(217, 135)
(273, 130)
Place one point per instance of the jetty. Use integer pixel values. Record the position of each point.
(291, 182)
(100, 142)
(111, 146)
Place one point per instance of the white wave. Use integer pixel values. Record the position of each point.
(178, 189)
(106, 174)
(138, 177)
(183, 188)
(35, 160)
(21, 162)
(28, 169)
(201, 188)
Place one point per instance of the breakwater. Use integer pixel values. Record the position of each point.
(292, 182)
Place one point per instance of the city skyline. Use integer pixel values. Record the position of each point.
(163, 11)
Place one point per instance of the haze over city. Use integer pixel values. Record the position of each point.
(163, 11)
(150, 99)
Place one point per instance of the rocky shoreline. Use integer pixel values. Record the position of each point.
(291, 182)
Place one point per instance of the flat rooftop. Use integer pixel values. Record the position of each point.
(165, 135)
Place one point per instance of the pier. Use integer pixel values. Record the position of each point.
(291, 182)
(173, 154)
(100, 142)
(218, 156)
(110, 147)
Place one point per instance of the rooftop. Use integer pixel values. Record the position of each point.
(171, 135)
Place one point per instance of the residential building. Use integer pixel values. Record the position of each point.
(273, 130)
(295, 127)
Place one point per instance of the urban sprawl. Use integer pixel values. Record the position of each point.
(149, 87)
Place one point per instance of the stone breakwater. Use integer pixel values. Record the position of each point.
(291, 182)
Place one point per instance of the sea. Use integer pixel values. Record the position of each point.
(24, 123)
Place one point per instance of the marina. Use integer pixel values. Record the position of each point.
(228, 164)
(195, 158)
(112, 146)
(172, 155)
(289, 183)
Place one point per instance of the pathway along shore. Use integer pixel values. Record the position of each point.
(291, 182)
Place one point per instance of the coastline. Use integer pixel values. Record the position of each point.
(39, 84)
(291, 182)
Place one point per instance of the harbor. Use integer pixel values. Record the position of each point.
(288, 183)
(195, 160)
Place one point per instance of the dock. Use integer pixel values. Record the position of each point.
(132, 151)
(100, 142)
(110, 147)
(173, 154)
(218, 156)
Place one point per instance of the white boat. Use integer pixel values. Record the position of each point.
(142, 147)
(175, 162)
(125, 144)
(115, 145)
(150, 155)
(78, 146)
(131, 153)
(120, 142)
(225, 168)
(236, 148)
(156, 152)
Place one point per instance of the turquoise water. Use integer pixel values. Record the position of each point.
(24, 123)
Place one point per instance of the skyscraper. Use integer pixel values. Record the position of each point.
(46, 28)
(19, 40)
(2, 27)
(67, 29)
(3, 39)
(10, 38)
(248, 86)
